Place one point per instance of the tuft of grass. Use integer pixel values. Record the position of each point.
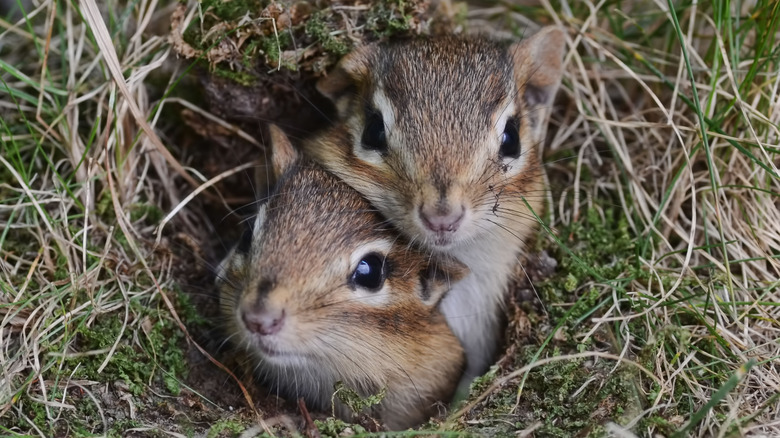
(666, 233)
(80, 287)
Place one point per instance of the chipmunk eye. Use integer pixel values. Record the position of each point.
(510, 140)
(246, 238)
(370, 272)
(374, 137)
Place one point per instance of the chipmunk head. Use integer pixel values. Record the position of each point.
(322, 290)
(441, 134)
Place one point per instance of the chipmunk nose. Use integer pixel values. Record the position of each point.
(438, 218)
(263, 322)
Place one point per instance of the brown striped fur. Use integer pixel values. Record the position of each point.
(304, 244)
(444, 104)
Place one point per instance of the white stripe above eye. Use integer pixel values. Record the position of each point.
(257, 228)
(379, 246)
(257, 225)
(514, 165)
(383, 105)
(508, 111)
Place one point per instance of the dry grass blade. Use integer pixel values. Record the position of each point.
(92, 14)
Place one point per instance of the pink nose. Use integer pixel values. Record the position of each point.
(439, 219)
(263, 322)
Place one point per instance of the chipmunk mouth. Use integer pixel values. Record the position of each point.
(272, 353)
(443, 239)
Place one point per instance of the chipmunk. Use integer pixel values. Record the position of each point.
(442, 136)
(321, 290)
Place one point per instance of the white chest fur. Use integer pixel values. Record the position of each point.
(473, 306)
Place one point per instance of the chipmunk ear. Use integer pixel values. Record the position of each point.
(283, 154)
(342, 82)
(438, 277)
(538, 64)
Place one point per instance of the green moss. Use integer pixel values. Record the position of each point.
(225, 427)
(483, 382)
(37, 414)
(244, 78)
(662, 425)
(568, 397)
(125, 363)
(187, 310)
(272, 47)
(598, 248)
(82, 421)
(250, 54)
(335, 428)
(315, 26)
(570, 283)
(118, 428)
(135, 364)
(105, 205)
(586, 303)
(319, 28)
(387, 18)
(62, 267)
(234, 9)
(152, 213)
(575, 397)
(461, 14)
(356, 403)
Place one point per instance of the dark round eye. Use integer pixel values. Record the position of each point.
(246, 238)
(374, 137)
(370, 272)
(510, 140)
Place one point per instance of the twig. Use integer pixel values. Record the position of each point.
(311, 430)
